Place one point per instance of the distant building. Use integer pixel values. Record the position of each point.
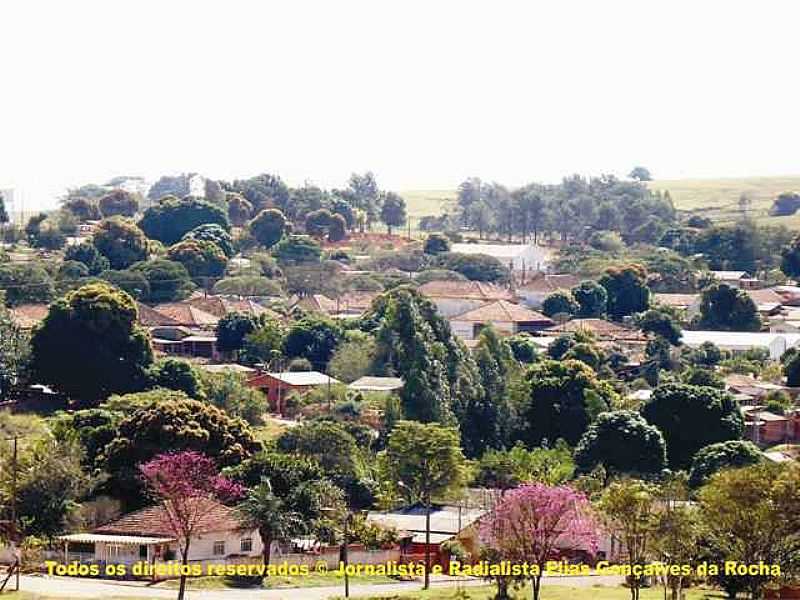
(457, 297)
(377, 384)
(741, 341)
(517, 257)
(534, 292)
(277, 386)
(505, 317)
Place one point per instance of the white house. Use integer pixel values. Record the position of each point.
(741, 341)
(457, 297)
(145, 536)
(534, 292)
(504, 316)
(517, 257)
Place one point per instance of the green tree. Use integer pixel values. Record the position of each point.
(732, 454)
(171, 185)
(168, 280)
(246, 285)
(791, 368)
(4, 217)
(229, 391)
(393, 210)
(89, 344)
(87, 254)
(315, 338)
(14, 353)
(240, 210)
(436, 243)
(506, 469)
(295, 249)
(427, 460)
(475, 267)
(692, 417)
(211, 232)
(264, 191)
(131, 282)
(790, 257)
(592, 299)
(725, 308)
(352, 359)
(203, 260)
(640, 174)
(263, 344)
(623, 443)
(121, 242)
(25, 283)
(176, 374)
(662, 324)
(83, 209)
(561, 399)
(118, 202)
(232, 330)
(269, 227)
(627, 290)
(560, 302)
(171, 219)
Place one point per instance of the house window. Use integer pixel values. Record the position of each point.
(246, 545)
(219, 548)
(143, 552)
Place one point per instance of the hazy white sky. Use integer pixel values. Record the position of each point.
(422, 93)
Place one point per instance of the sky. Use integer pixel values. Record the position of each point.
(423, 93)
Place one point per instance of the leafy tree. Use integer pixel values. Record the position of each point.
(318, 222)
(25, 283)
(184, 484)
(592, 299)
(89, 344)
(246, 285)
(118, 202)
(48, 236)
(328, 443)
(692, 417)
(295, 249)
(168, 280)
(791, 369)
(640, 174)
(705, 377)
(523, 348)
(427, 460)
(506, 469)
(560, 302)
(83, 209)
(661, 324)
(533, 522)
(173, 425)
(203, 260)
(752, 515)
(263, 191)
(314, 338)
(263, 344)
(87, 254)
(171, 219)
(130, 282)
(436, 243)
(363, 193)
(232, 330)
(14, 353)
(732, 454)
(269, 227)
(337, 230)
(475, 267)
(167, 185)
(352, 360)
(623, 443)
(726, 308)
(627, 290)
(121, 242)
(4, 217)
(229, 391)
(627, 509)
(176, 374)
(785, 204)
(240, 211)
(561, 399)
(211, 232)
(707, 355)
(393, 210)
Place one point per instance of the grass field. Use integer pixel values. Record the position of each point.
(715, 198)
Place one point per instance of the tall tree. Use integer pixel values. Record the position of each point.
(627, 290)
(393, 210)
(172, 218)
(118, 202)
(14, 353)
(268, 227)
(592, 298)
(121, 242)
(726, 308)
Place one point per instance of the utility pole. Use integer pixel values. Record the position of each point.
(14, 490)
(427, 541)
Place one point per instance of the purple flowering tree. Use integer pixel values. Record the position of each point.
(188, 487)
(534, 523)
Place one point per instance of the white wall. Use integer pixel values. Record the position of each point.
(452, 307)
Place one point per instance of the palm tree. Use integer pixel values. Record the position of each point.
(262, 509)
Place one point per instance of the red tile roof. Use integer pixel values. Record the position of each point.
(28, 316)
(599, 327)
(677, 300)
(765, 296)
(219, 306)
(502, 311)
(318, 303)
(152, 318)
(472, 290)
(153, 521)
(546, 284)
(183, 313)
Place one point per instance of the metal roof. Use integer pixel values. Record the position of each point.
(377, 384)
(303, 378)
(125, 540)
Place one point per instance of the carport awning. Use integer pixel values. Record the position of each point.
(130, 540)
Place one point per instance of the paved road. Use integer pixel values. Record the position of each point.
(93, 588)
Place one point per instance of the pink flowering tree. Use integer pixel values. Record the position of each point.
(534, 523)
(188, 487)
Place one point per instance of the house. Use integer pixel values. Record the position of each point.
(768, 302)
(504, 316)
(149, 317)
(228, 368)
(277, 386)
(347, 305)
(317, 303)
(186, 315)
(457, 297)
(377, 384)
(741, 341)
(732, 278)
(789, 293)
(184, 341)
(749, 388)
(767, 429)
(517, 257)
(601, 329)
(534, 292)
(220, 306)
(145, 536)
(686, 302)
(28, 316)
(447, 522)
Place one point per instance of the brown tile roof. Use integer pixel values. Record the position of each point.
(152, 318)
(599, 327)
(219, 306)
(357, 301)
(547, 284)
(502, 311)
(677, 300)
(318, 303)
(183, 313)
(153, 521)
(765, 296)
(473, 290)
(28, 316)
